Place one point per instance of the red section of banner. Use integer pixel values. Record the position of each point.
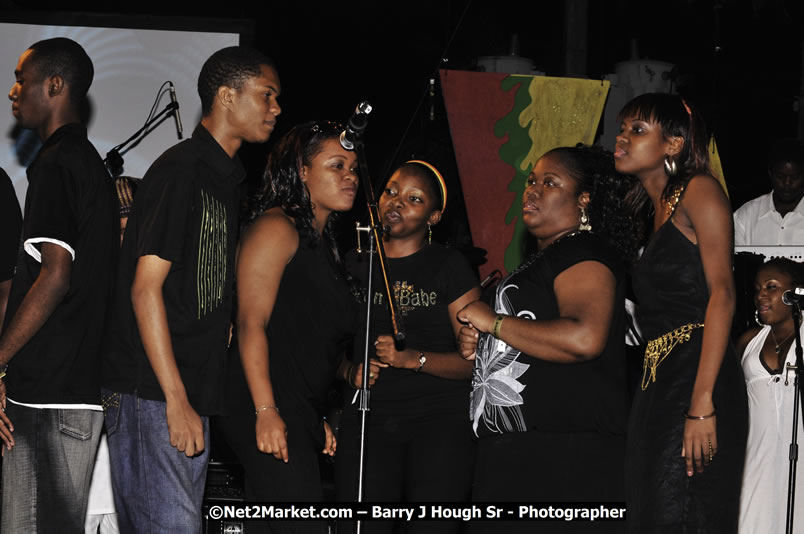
(475, 102)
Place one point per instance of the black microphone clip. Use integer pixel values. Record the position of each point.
(357, 123)
(114, 162)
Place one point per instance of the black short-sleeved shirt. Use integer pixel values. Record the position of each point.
(70, 202)
(185, 212)
(516, 392)
(425, 284)
(10, 227)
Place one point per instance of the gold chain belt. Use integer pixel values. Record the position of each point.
(658, 349)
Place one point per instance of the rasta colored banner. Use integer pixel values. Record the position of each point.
(501, 125)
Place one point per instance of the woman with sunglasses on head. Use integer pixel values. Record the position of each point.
(688, 422)
(550, 398)
(766, 350)
(418, 444)
(294, 313)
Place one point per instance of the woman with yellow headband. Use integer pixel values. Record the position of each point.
(418, 442)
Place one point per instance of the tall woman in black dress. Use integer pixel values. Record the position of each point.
(549, 399)
(294, 312)
(688, 423)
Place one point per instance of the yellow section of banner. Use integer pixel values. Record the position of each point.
(563, 112)
(715, 166)
(557, 112)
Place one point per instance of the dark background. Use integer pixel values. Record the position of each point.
(740, 61)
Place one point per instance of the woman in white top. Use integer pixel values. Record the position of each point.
(765, 352)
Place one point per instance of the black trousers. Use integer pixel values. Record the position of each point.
(543, 467)
(426, 457)
(268, 480)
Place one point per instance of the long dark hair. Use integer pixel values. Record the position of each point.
(282, 184)
(593, 169)
(676, 117)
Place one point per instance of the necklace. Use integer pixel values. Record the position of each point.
(536, 255)
(559, 238)
(779, 345)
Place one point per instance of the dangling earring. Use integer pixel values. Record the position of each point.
(670, 167)
(584, 226)
(429, 234)
(756, 318)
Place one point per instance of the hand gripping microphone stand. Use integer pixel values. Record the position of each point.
(352, 138)
(793, 300)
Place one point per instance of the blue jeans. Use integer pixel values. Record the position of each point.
(156, 487)
(46, 475)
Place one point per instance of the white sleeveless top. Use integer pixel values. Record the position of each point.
(763, 502)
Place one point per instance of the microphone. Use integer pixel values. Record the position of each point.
(175, 104)
(793, 296)
(357, 123)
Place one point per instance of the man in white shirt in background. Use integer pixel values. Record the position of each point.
(776, 218)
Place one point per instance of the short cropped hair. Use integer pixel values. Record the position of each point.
(229, 67)
(793, 269)
(786, 150)
(64, 57)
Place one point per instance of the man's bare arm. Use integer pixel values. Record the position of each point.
(39, 303)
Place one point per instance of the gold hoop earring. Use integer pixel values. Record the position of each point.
(670, 167)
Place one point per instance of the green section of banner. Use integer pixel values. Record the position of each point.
(514, 152)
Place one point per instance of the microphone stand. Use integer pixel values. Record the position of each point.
(114, 161)
(375, 231)
(799, 366)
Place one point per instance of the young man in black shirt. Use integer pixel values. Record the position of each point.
(167, 344)
(58, 300)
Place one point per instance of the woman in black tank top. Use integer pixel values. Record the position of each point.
(549, 391)
(688, 423)
(294, 315)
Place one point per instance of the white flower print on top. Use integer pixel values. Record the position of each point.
(496, 392)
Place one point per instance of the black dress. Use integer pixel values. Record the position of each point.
(672, 292)
(311, 322)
